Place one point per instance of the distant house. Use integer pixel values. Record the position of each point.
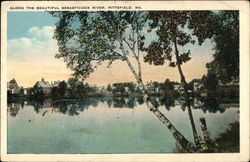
(152, 87)
(120, 88)
(178, 87)
(44, 85)
(12, 87)
(55, 83)
(25, 92)
(102, 89)
(126, 89)
(197, 86)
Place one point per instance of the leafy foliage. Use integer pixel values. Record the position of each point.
(79, 89)
(86, 39)
(210, 81)
(59, 91)
(109, 88)
(177, 28)
(38, 92)
(226, 57)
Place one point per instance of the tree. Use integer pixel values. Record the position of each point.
(210, 81)
(109, 88)
(118, 88)
(86, 39)
(131, 86)
(55, 93)
(62, 88)
(72, 82)
(81, 90)
(226, 57)
(78, 88)
(167, 86)
(38, 92)
(59, 91)
(21, 92)
(173, 29)
(196, 85)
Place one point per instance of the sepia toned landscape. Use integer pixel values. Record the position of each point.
(123, 82)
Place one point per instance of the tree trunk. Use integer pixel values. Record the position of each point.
(205, 134)
(152, 105)
(185, 144)
(184, 84)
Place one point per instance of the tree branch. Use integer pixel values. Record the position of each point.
(138, 51)
(118, 54)
(131, 48)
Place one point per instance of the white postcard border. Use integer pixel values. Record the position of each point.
(242, 6)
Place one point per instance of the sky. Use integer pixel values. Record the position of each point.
(31, 53)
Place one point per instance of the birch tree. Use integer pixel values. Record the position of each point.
(86, 39)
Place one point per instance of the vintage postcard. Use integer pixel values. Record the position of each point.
(125, 81)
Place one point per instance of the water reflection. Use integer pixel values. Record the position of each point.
(74, 107)
(213, 105)
(13, 109)
(108, 119)
(226, 142)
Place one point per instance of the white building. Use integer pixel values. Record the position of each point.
(46, 87)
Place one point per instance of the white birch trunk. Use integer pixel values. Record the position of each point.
(185, 144)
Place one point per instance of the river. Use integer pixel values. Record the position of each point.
(108, 125)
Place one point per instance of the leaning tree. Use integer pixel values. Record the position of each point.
(86, 39)
(175, 30)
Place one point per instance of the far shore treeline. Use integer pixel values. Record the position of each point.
(75, 89)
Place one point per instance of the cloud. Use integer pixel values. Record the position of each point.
(32, 57)
(40, 45)
(44, 33)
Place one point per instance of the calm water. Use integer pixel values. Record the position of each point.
(104, 125)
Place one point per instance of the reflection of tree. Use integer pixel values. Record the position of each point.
(131, 103)
(140, 100)
(13, 109)
(22, 104)
(109, 102)
(128, 102)
(119, 102)
(211, 105)
(38, 105)
(63, 108)
(72, 109)
(167, 102)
